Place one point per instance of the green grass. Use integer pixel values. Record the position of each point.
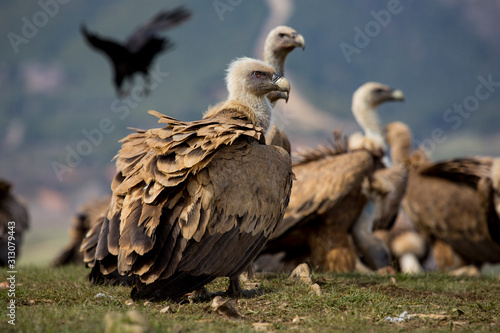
(61, 300)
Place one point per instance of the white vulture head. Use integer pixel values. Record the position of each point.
(365, 101)
(279, 42)
(249, 80)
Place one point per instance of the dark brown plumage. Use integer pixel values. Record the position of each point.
(452, 202)
(196, 200)
(14, 222)
(331, 192)
(141, 47)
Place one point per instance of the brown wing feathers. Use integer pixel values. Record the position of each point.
(167, 213)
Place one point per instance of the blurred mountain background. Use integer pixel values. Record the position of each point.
(54, 88)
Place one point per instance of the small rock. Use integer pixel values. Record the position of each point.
(296, 320)
(166, 309)
(129, 302)
(226, 307)
(147, 303)
(392, 280)
(316, 289)
(303, 272)
(5, 285)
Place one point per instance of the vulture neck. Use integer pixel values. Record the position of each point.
(367, 117)
(260, 106)
(400, 151)
(276, 60)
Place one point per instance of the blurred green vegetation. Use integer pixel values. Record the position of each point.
(62, 300)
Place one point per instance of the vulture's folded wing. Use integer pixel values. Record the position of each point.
(467, 170)
(324, 177)
(199, 197)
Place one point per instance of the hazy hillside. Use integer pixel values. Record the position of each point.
(55, 88)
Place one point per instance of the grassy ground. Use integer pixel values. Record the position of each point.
(61, 300)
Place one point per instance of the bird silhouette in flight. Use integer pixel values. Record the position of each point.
(136, 54)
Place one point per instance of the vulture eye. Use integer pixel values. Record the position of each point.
(282, 35)
(379, 91)
(258, 74)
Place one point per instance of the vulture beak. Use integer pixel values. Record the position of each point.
(282, 84)
(398, 95)
(300, 42)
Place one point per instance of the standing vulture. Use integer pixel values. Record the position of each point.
(452, 202)
(138, 52)
(331, 191)
(407, 245)
(14, 221)
(279, 43)
(197, 200)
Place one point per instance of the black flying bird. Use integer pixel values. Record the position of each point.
(138, 51)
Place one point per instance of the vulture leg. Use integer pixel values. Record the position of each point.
(374, 251)
(234, 289)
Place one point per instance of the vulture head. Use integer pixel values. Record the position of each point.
(250, 79)
(372, 94)
(365, 101)
(279, 42)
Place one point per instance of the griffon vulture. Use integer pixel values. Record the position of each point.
(452, 202)
(90, 214)
(197, 200)
(279, 43)
(14, 221)
(141, 47)
(331, 191)
(408, 246)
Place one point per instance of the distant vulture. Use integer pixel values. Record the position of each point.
(279, 43)
(139, 50)
(89, 214)
(408, 246)
(14, 222)
(333, 187)
(453, 203)
(197, 200)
